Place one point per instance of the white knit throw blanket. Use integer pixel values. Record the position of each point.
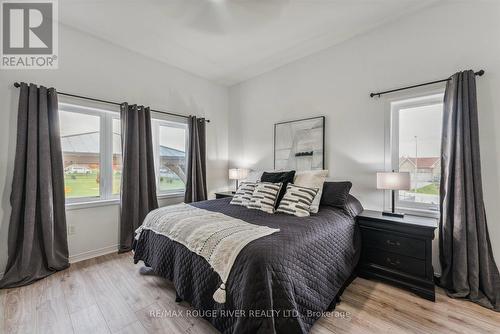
(214, 236)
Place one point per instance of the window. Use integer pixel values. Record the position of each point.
(416, 148)
(169, 142)
(92, 153)
(91, 145)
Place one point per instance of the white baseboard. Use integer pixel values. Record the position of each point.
(93, 253)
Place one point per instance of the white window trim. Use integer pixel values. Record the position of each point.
(107, 113)
(172, 121)
(106, 116)
(392, 147)
(116, 201)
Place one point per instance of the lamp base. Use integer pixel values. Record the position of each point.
(393, 214)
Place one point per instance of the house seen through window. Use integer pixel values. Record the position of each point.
(416, 148)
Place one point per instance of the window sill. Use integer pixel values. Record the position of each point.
(114, 201)
(170, 195)
(91, 204)
(419, 212)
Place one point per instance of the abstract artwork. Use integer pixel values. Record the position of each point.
(299, 145)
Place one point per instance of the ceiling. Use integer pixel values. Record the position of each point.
(229, 41)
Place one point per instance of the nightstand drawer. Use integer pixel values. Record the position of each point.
(394, 243)
(405, 264)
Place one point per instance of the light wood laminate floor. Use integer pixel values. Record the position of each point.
(108, 295)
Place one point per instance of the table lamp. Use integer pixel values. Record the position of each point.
(393, 181)
(237, 174)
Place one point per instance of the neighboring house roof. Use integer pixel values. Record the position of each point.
(89, 143)
(170, 152)
(81, 143)
(424, 162)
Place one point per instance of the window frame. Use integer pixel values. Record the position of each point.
(392, 153)
(106, 114)
(110, 157)
(171, 121)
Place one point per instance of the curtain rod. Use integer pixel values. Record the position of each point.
(17, 85)
(480, 73)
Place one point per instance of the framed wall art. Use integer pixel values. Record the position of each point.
(299, 145)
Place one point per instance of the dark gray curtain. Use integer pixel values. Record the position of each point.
(468, 268)
(138, 192)
(196, 176)
(37, 245)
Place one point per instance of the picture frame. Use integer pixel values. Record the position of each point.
(300, 144)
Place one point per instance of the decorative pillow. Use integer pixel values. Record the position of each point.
(297, 200)
(336, 193)
(253, 176)
(312, 179)
(244, 193)
(279, 177)
(264, 196)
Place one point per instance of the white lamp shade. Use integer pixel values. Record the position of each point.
(393, 180)
(238, 173)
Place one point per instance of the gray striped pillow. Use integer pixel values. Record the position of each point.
(297, 200)
(264, 196)
(244, 193)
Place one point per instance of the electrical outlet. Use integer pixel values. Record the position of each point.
(71, 230)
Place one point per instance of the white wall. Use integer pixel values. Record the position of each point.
(91, 67)
(429, 45)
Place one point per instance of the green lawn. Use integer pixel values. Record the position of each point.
(81, 185)
(117, 179)
(430, 189)
(169, 184)
(86, 185)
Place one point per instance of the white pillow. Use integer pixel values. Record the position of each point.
(253, 176)
(312, 179)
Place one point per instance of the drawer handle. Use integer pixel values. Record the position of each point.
(394, 263)
(393, 243)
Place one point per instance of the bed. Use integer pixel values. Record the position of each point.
(280, 283)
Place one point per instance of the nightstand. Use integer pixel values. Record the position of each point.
(398, 251)
(224, 194)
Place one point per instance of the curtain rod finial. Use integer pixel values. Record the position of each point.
(17, 84)
(480, 72)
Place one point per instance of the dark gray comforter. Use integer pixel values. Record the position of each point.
(279, 283)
